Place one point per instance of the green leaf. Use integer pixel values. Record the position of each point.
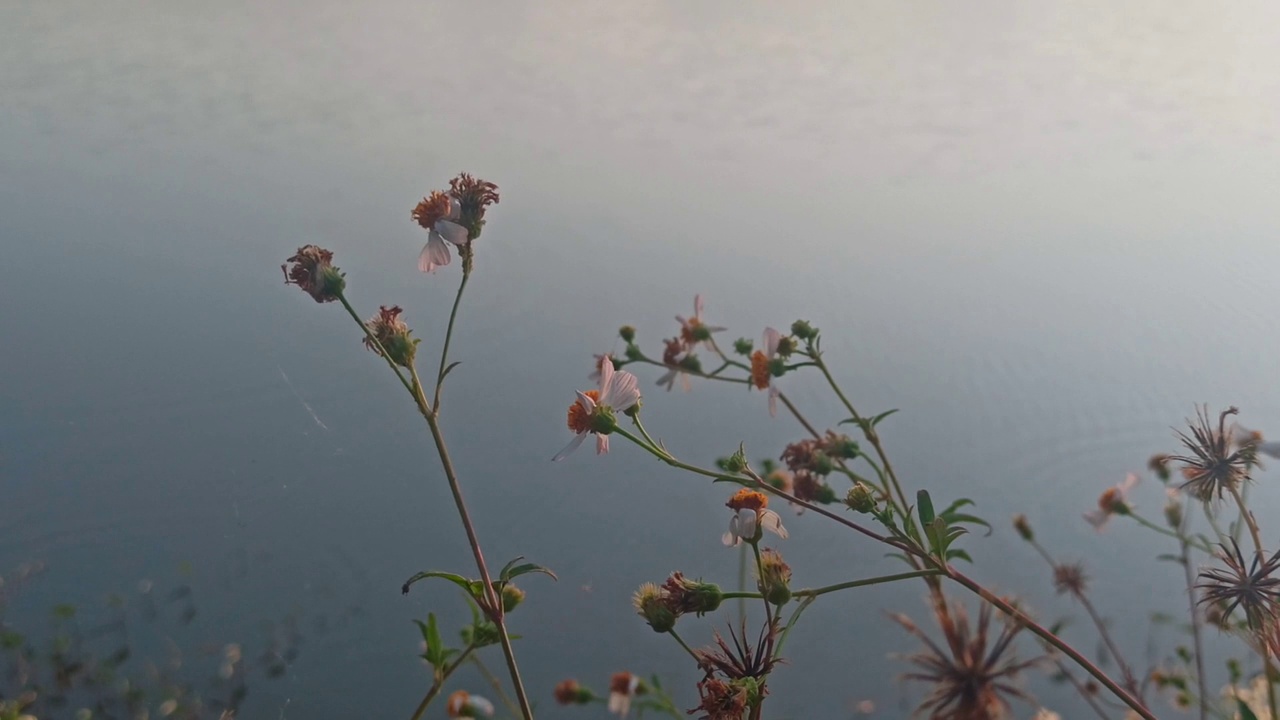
(454, 578)
(959, 555)
(447, 370)
(1245, 712)
(925, 504)
(876, 420)
(525, 569)
(955, 518)
(437, 654)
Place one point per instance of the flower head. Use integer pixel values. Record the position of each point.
(569, 692)
(694, 330)
(764, 367)
(691, 596)
(973, 676)
(774, 581)
(312, 270)
(1219, 458)
(438, 213)
(393, 336)
(1251, 587)
(1113, 501)
(622, 687)
(720, 700)
(593, 412)
(474, 196)
(1069, 578)
(751, 517)
(463, 704)
(651, 603)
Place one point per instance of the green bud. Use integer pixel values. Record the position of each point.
(737, 462)
(634, 410)
(512, 596)
(824, 495)
(701, 333)
(650, 604)
(691, 363)
(775, 577)
(633, 352)
(1023, 527)
(742, 346)
(777, 367)
(603, 421)
(843, 447)
(1173, 514)
(822, 464)
(803, 330)
(706, 597)
(627, 333)
(860, 498)
(787, 346)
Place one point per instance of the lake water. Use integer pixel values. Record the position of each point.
(1044, 231)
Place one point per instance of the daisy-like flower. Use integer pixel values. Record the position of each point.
(694, 330)
(438, 214)
(1112, 501)
(674, 357)
(463, 704)
(751, 517)
(622, 687)
(599, 360)
(762, 362)
(593, 412)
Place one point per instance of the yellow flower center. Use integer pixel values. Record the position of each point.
(760, 370)
(746, 499)
(579, 417)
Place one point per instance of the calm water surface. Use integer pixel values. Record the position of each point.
(1043, 231)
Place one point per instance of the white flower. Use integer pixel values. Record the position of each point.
(437, 214)
(1112, 501)
(463, 704)
(751, 516)
(618, 392)
(694, 330)
(622, 687)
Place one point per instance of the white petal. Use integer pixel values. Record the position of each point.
(1129, 481)
(748, 520)
(606, 375)
(434, 254)
(602, 444)
(668, 380)
(480, 706)
(568, 449)
(1097, 519)
(773, 401)
(586, 402)
(730, 540)
(455, 208)
(697, 306)
(769, 520)
(621, 391)
(452, 231)
(770, 341)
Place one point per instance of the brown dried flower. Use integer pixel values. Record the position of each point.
(473, 196)
(392, 335)
(312, 270)
(1252, 587)
(1069, 578)
(721, 700)
(1217, 463)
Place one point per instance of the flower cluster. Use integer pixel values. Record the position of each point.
(456, 216)
(661, 606)
(594, 412)
(679, 353)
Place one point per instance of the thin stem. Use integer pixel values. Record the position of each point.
(1185, 557)
(815, 592)
(1129, 678)
(438, 684)
(496, 684)
(448, 335)
(372, 339)
(672, 632)
(1165, 531)
(1268, 665)
(1080, 688)
(742, 585)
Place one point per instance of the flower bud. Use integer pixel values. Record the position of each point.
(633, 352)
(824, 495)
(1023, 527)
(393, 336)
(602, 420)
(742, 346)
(691, 363)
(312, 270)
(1173, 514)
(650, 603)
(1159, 464)
(803, 330)
(860, 498)
(512, 596)
(569, 692)
(787, 346)
(821, 463)
(736, 463)
(775, 577)
(778, 367)
(691, 596)
(627, 333)
(634, 410)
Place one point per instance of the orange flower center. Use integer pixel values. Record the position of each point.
(687, 333)
(760, 370)
(1108, 499)
(746, 499)
(433, 208)
(579, 417)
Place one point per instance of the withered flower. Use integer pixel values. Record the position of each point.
(1251, 587)
(721, 700)
(312, 270)
(1217, 462)
(691, 596)
(392, 335)
(473, 196)
(569, 692)
(775, 577)
(1069, 578)
(973, 678)
(743, 660)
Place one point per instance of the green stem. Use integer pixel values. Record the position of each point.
(438, 685)
(672, 632)
(1165, 531)
(815, 592)
(496, 684)
(448, 336)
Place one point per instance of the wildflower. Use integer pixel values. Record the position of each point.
(810, 488)
(1112, 501)
(313, 271)
(438, 214)
(860, 498)
(622, 687)
(775, 577)
(1218, 461)
(742, 661)
(1069, 578)
(691, 596)
(720, 700)
(392, 335)
(1255, 589)
(512, 596)
(810, 455)
(973, 677)
(651, 603)
(675, 357)
(593, 412)
(473, 196)
(1173, 508)
(694, 330)
(569, 692)
(751, 517)
(463, 704)
(764, 367)
(1023, 526)
(1159, 464)
(595, 374)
